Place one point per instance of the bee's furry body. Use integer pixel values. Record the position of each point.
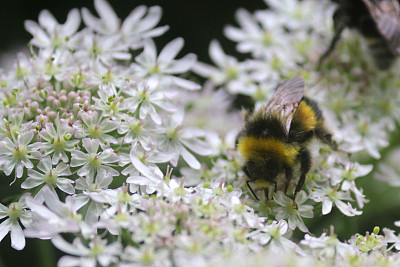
(269, 150)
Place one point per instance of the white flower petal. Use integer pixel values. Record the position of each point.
(17, 236)
(169, 52)
(185, 84)
(73, 22)
(182, 65)
(5, 227)
(107, 15)
(189, 158)
(326, 206)
(91, 145)
(47, 21)
(78, 158)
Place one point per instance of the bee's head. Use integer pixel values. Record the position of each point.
(261, 169)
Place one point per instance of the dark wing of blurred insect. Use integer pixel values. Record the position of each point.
(285, 101)
(386, 14)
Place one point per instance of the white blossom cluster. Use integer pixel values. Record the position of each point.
(357, 99)
(90, 133)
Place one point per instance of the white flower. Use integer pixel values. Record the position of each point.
(95, 50)
(228, 68)
(299, 15)
(92, 161)
(108, 23)
(176, 139)
(136, 27)
(144, 256)
(144, 99)
(353, 171)
(139, 26)
(17, 153)
(287, 210)
(54, 35)
(238, 211)
(165, 66)
(326, 247)
(328, 195)
(56, 217)
(145, 163)
(109, 102)
(258, 34)
(57, 140)
(15, 211)
(13, 124)
(135, 130)
(273, 235)
(98, 127)
(364, 134)
(97, 251)
(50, 177)
(89, 185)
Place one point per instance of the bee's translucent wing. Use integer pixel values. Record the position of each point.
(285, 101)
(386, 14)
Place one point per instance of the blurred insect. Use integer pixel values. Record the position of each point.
(377, 20)
(275, 137)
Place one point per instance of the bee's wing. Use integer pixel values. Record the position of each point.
(285, 101)
(386, 14)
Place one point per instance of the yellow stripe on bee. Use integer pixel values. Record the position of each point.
(262, 183)
(256, 148)
(306, 115)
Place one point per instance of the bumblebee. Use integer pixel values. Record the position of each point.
(377, 20)
(275, 137)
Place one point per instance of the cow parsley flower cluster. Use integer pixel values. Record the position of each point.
(120, 160)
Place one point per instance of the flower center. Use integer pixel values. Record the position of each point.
(136, 127)
(172, 133)
(291, 208)
(14, 210)
(56, 42)
(107, 77)
(96, 250)
(113, 107)
(267, 39)
(142, 157)
(363, 128)
(19, 152)
(58, 143)
(51, 177)
(154, 69)
(96, 50)
(332, 194)
(275, 234)
(95, 131)
(94, 160)
(147, 258)
(143, 96)
(232, 73)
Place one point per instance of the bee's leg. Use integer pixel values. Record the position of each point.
(289, 175)
(305, 166)
(340, 21)
(325, 136)
(251, 189)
